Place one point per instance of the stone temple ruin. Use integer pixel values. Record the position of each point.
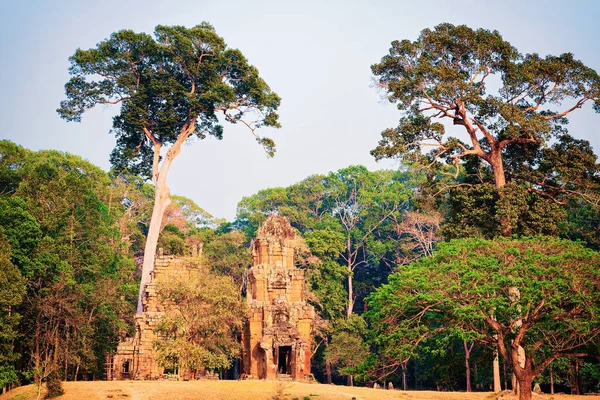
(135, 357)
(277, 337)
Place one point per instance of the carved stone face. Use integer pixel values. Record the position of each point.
(281, 316)
(281, 312)
(279, 281)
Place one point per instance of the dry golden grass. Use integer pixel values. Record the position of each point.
(245, 390)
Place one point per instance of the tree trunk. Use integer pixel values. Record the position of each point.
(525, 382)
(496, 372)
(76, 372)
(350, 289)
(551, 381)
(162, 199)
(576, 378)
(477, 385)
(498, 168)
(467, 367)
(328, 372)
(500, 181)
(505, 375)
(404, 385)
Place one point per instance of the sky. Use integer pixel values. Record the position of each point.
(315, 54)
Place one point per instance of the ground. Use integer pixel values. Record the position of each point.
(246, 390)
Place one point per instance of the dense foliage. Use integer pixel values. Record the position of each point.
(67, 269)
(355, 223)
(509, 113)
(200, 331)
(506, 293)
(419, 276)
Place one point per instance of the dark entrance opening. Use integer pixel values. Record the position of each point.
(285, 360)
(125, 369)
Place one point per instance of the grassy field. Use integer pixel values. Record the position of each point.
(245, 390)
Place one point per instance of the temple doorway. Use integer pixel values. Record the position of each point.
(284, 363)
(126, 369)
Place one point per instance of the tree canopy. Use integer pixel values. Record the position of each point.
(511, 111)
(170, 86)
(506, 293)
(67, 280)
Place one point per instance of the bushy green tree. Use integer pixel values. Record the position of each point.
(172, 241)
(510, 112)
(539, 293)
(61, 218)
(199, 331)
(227, 254)
(344, 216)
(347, 349)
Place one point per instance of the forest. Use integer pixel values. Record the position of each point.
(483, 245)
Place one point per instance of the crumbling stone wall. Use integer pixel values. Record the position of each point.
(135, 357)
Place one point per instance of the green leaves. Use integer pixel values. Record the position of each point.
(60, 218)
(199, 330)
(444, 76)
(12, 290)
(179, 79)
(469, 286)
(347, 217)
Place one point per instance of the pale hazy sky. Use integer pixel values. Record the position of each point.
(315, 54)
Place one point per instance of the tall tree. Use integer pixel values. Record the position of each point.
(450, 73)
(170, 87)
(470, 285)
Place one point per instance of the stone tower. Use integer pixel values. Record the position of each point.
(135, 357)
(277, 337)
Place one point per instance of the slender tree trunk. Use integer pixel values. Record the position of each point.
(514, 294)
(496, 372)
(76, 372)
(505, 375)
(576, 380)
(467, 367)
(350, 289)
(496, 366)
(66, 366)
(328, 372)
(475, 372)
(551, 380)
(404, 384)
